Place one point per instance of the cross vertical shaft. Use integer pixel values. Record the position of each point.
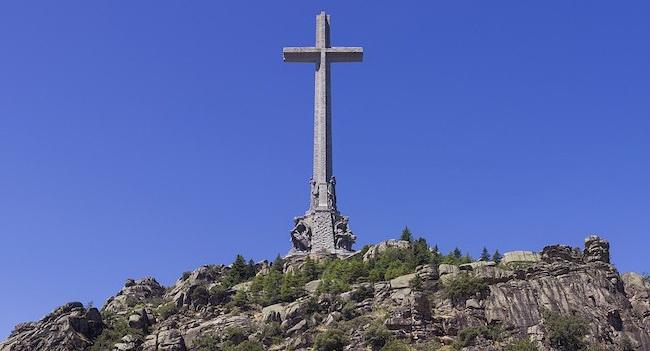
(322, 161)
(322, 227)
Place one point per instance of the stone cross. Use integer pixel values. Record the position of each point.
(320, 222)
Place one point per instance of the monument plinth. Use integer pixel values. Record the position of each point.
(322, 228)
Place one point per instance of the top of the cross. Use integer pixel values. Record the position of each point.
(313, 53)
(322, 30)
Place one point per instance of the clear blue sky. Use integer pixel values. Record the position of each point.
(151, 137)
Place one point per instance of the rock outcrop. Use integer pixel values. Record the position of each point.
(375, 250)
(511, 299)
(134, 292)
(69, 327)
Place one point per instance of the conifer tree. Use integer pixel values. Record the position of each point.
(271, 286)
(416, 283)
(250, 269)
(436, 257)
(406, 234)
(238, 270)
(421, 253)
(310, 270)
(485, 255)
(278, 264)
(496, 257)
(457, 254)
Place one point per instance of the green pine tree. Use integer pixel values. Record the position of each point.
(291, 288)
(310, 270)
(421, 253)
(406, 234)
(485, 255)
(436, 257)
(251, 270)
(271, 286)
(278, 264)
(467, 259)
(496, 257)
(238, 271)
(416, 283)
(457, 254)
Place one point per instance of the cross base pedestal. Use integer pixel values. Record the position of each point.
(322, 230)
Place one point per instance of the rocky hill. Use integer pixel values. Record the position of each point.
(397, 295)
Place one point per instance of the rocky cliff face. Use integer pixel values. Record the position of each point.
(69, 327)
(475, 306)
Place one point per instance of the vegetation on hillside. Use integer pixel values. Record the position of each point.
(521, 345)
(377, 335)
(463, 287)
(233, 339)
(468, 336)
(397, 345)
(336, 275)
(331, 340)
(276, 286)
(116, 328)
(566, 332)
(391, 263)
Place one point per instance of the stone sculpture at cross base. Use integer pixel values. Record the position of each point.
(322, 229)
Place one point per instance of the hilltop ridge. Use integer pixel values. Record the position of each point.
(395, 295)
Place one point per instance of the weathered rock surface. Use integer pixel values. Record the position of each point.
(375, 250)
(518, 293)
(165, 340)
(134, 292)
(402, 281)
(596, 249)
(520, 257)
(69, 327)
(207, 276)
(128, 343)
(294, 263)
(474, 265)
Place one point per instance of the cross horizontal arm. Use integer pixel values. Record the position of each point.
(344, 54)
(312, 54)
(301, 54)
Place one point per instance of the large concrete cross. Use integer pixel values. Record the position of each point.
(322, 55)
(322, 228)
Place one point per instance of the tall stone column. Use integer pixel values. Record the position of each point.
(322, 228)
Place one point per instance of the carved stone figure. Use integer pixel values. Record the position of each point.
(331, 193)
(343, 236)
(314, 193)
(301, 235)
